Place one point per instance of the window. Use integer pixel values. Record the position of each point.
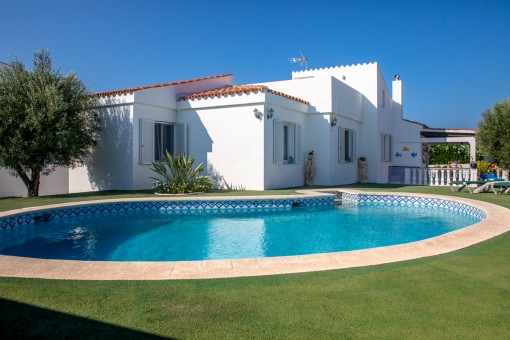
(346, 145)
(386, 141)
(164, 140)
(287, 142)
(156, 138)
(383, 98)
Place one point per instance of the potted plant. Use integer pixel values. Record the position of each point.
(454, 163)
(473, 165)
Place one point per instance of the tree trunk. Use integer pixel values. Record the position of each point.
(33, 184)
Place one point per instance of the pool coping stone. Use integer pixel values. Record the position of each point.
(493, 225)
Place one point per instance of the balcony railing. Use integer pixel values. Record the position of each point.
(436, 176)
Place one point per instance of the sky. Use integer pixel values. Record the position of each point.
(453, 56)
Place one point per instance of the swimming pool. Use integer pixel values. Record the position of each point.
(493, 224)
(214, 230)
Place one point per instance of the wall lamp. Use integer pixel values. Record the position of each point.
(270, 113)
(257, 114)
(333, 121)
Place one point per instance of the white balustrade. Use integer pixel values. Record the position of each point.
(438, 176)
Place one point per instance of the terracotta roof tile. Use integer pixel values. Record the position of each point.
(133, 89)
(241, 89)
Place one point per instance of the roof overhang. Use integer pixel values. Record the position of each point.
(444, 133)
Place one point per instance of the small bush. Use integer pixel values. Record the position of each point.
(483, 167)
(179, 176)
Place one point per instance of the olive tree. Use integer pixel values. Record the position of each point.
(46, 120)
(493, 134)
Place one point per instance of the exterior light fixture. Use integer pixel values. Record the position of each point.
(333, 121)
(270, 113)
(257, 114)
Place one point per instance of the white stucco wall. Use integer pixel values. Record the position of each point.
(10, 185)
(318, 139)
(141, 172)
(385, 125)
(330, 97)
(355, 98)
(110, 165)
(53, 184)
(407, 144)
(235, 146)
(225, 135)
(340, 172)
(316, 90)
(360, 77)
(285, 174)
(116, 165)
(347, 102)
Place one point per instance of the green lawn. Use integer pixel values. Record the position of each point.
(464, 294)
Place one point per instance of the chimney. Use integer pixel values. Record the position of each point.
(396, 92)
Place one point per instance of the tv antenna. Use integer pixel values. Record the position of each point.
(303, 61)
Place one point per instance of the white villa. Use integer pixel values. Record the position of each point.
(256, 136)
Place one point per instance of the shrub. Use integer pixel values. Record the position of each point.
(446, 153)
(179, 176)
(483, 167)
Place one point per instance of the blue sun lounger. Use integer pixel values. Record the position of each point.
(490, 177)
(501, 187)
(487, 181)
(457, 186)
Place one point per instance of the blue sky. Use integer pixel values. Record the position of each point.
(453, 56)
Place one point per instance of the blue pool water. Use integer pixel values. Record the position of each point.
(165, 236)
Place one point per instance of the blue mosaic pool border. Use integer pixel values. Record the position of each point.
(185, 207)
(413, 200)
(175, 206)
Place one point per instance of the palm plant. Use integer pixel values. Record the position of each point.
(177, 175)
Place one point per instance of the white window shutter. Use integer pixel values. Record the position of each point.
(342, 149)
(299, 152)
(354, 146)
(390, 148)
(146, 141)
(382, 148)
(182, 138)
(339, 144)
(277, 142)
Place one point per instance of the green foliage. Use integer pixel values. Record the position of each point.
(46, 120)
(493, 134)
(445, 153)
(483, 167)
(179, 176)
